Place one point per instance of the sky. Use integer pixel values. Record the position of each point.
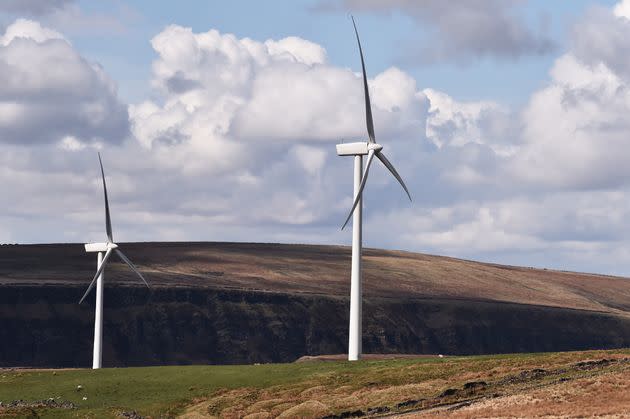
(217, 121)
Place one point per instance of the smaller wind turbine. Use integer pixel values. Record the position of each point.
(104, 252)
(359, 149)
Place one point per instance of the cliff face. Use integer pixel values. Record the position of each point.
(44, 326)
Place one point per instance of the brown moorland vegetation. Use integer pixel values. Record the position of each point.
(236, 303)
(557, 385)
(320, 270)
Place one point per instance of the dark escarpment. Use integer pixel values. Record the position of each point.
(243, 303)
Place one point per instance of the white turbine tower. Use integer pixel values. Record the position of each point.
(104, 252)
(370, 148)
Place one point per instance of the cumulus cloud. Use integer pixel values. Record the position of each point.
(561, 187)
(463, 29)
(28, 29)
(263, 117)
(575, 129)
(622, 9)
(50, 92)
(601, 38)
(517, 229)
(257, 95)
(459, 123)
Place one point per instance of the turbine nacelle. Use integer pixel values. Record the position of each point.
(352, 149)
(358, 148)
(99, 247)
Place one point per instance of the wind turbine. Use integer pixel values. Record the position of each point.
(104, 252)
(359, 149)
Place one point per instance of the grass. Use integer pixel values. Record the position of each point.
(309, 389)
(150, 390)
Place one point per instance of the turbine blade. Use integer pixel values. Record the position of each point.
(108, 220)
(363, 181)
(368, 106)
(125, 259)
(390, 166)
(98, 273)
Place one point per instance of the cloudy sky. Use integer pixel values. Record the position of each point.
(508, 119)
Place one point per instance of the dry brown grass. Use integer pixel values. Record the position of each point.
(321, 270)
(572, 384)
(606, 395)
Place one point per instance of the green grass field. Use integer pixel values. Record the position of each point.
(150, 390)
(311, 389)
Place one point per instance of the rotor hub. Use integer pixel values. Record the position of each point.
(374, 146)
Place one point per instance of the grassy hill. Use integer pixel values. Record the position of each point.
(576, 383)
(230, 303)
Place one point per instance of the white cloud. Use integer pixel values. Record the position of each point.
(234, 104)
(563, 230)
(49, 91)
(297, 50)
(261, 119)
(622, 9)
(71, 143)
(459, 123)
(575, 130)
(290, 102)
(28, 29)
(600, 37)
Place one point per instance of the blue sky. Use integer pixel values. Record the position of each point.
(218, 121)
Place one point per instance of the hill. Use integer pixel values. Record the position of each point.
(245, 303)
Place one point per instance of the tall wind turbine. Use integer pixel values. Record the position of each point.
(104, 251)
(359, 149)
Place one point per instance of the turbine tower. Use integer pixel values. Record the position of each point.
(104, 251)
(359, 149)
